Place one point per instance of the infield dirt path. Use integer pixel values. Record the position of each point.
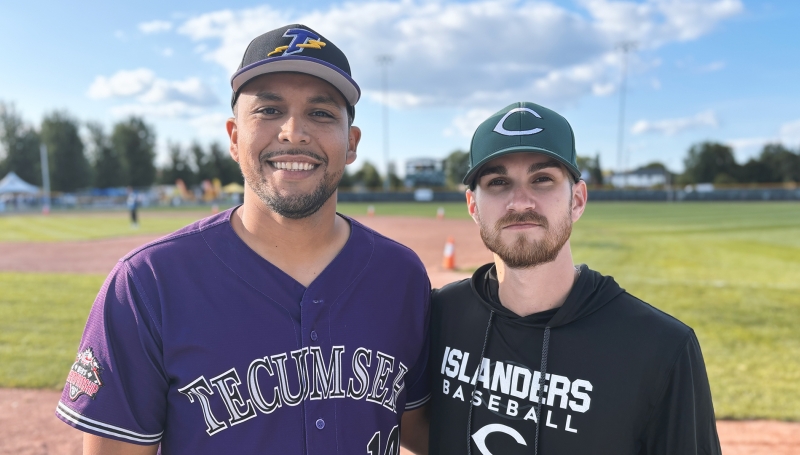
(28, 426)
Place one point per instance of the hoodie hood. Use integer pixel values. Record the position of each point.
(590, 292)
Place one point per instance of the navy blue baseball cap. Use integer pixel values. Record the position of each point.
(299, 49)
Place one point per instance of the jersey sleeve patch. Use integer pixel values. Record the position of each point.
(96, 427)
(418, 403)
(84, 376)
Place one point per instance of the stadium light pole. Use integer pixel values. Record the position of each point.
(45, 178)
(625, 47)
(384, 61)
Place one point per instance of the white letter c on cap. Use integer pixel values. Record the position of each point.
(499, 128)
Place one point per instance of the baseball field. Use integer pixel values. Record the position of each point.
(729, 270)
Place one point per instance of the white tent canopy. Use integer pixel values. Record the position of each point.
(11, 183)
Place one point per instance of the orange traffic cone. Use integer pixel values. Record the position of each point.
(371, 210)
(449, 259)
(440, 213)
(214, 209)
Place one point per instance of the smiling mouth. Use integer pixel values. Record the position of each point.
(292, 165)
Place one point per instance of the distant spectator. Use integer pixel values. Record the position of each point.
(133, 206)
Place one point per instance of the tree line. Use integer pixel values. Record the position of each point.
(95, 158)
(125, 156)
(712, 162)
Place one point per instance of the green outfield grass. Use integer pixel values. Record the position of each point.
(729, 270)
(87, 226)
(41, 321)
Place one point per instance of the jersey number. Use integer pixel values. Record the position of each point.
(392, 444)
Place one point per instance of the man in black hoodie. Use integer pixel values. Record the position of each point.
(536, 355)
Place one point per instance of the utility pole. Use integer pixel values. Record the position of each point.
(625, 47)
(384, 61)
(45, 178)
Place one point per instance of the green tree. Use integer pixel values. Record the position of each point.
(178, 167)
(707, 160)
(69, 168)
(203, 170)
(783, 164)
(369, 176)
(134, 141)
(110, 170)
(592, 167)
(222, 165)
(347, 180)
(755, 171)
(19, 147)
(456, 166)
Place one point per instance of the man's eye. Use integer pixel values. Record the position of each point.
(268, 111)
(496, 182)
(321, 114)
(543, 179)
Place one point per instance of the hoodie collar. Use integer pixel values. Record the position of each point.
(590, 292)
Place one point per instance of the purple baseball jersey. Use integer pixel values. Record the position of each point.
(199, 344)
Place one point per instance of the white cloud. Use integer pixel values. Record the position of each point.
(152, 27)
(747, 147)
(465, 124)
(167, 52)
(653, 23)
(122, 84)
(210, 125)
(475, 53)
(154, 96)
(671, 127)
(790, 132)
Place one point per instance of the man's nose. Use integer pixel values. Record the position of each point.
(293, 131)
(520, 199)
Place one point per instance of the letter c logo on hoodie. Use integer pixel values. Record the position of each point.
(480, 436)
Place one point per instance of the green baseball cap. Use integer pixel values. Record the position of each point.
(523, 127)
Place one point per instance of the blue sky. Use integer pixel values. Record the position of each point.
(723, 70)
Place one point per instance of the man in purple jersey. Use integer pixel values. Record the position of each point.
(275, 327)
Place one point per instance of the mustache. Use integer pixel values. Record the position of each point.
(266, 156)
(521, 217)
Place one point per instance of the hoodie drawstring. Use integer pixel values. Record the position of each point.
(545, 346)
(475, 386)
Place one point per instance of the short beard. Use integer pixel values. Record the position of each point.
(523, 253)
(294, 207)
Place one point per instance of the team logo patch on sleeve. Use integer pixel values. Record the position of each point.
(84, 376)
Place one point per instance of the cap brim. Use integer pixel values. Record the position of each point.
(297, 64)
(519, 149)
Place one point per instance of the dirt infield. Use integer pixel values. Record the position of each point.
(28, 427)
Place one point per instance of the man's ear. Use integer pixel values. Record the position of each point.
(472, 206)
(353, 138)
(233, 135)
(579, 197)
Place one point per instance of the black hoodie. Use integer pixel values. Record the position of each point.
(620, 377)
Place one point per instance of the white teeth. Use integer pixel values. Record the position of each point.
(293, 165)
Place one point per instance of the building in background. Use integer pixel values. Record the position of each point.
(643, 177)
(424, 172)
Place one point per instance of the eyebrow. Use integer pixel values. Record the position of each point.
(323, 99)
(501, 170)
(269, 96)
(318, 99)
(539, 166)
